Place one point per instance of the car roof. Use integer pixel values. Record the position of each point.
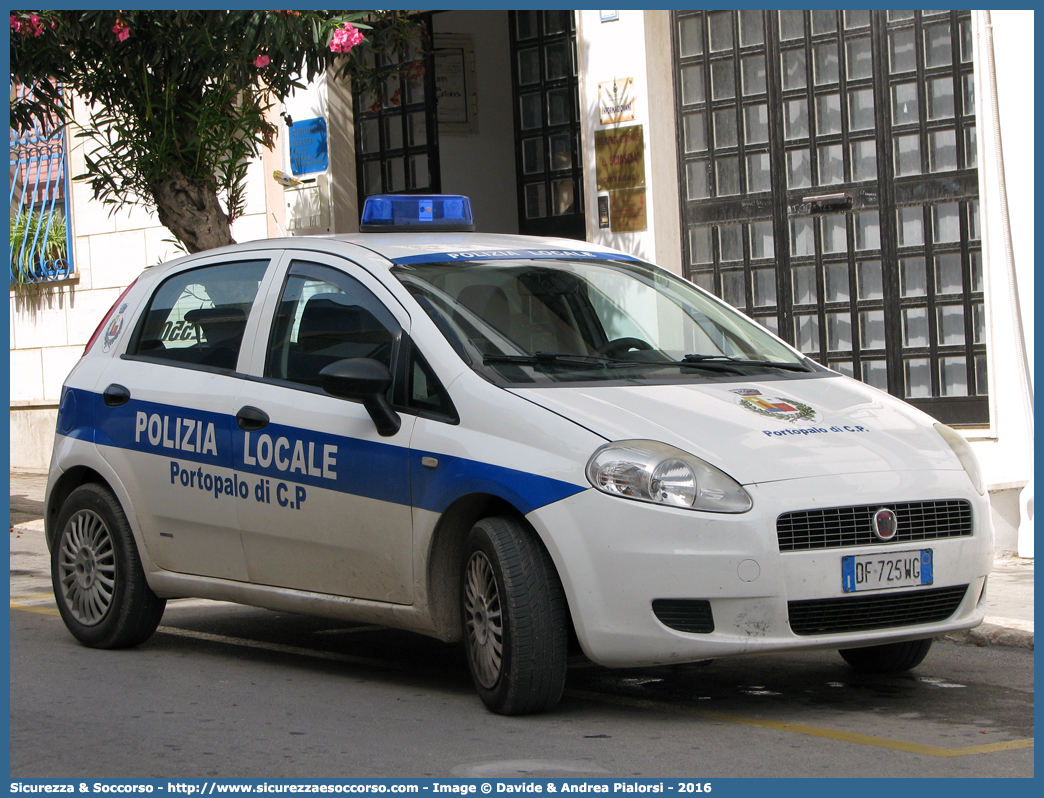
(431, 247)
(401, 248)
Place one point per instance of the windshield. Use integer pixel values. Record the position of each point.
(538, 321)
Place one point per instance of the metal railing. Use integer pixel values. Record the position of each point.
(41, 244)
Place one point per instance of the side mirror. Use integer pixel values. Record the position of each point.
(367, 381)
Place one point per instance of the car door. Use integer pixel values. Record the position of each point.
(165, 418)
(329, 508)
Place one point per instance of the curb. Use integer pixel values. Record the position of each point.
(988, 634)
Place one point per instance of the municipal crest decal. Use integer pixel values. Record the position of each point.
(777, 407)
(113, 330)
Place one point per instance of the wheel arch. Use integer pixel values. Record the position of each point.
(97, 577)
(444, 555)
(69, 481)
(98, 471)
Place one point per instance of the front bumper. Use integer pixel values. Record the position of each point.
(616, 557)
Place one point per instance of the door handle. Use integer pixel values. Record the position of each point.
(115, 395)
(251, 419)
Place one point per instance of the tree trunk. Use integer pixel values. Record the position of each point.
(192, 212)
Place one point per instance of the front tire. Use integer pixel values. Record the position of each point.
(513, 612)
(889, 657)
(99, 584)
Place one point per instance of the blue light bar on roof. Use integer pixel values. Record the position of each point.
(417, 213)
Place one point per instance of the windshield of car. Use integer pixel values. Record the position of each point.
(554, 321)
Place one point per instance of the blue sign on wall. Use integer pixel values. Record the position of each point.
(308, 146)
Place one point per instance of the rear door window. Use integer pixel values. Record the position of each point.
(197, 317)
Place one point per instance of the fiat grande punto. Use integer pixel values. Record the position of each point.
(503, 441)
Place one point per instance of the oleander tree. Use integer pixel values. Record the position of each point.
(179, 101)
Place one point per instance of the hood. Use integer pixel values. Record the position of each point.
(763, 431)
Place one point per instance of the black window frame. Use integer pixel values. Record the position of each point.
(394, 114)
(539, 32)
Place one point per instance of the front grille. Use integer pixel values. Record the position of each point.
(685, 615)
(881, 611)
(840, 527)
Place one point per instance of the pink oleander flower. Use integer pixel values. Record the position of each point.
(31, 25)
(122, 30)
(262, 61)
(345, 38)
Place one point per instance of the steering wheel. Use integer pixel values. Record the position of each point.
(622, 346)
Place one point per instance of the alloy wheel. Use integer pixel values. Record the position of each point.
(87, 567)
(482, 616)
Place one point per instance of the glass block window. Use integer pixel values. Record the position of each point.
(810, 142)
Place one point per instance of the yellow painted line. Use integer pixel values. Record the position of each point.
(39, 610)
(34, 596)
(798, 728)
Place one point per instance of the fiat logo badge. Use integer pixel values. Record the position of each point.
(885, 524)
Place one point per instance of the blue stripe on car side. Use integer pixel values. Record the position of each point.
(348, 465)
(437, 488)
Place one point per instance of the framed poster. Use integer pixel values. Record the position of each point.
(455, 94)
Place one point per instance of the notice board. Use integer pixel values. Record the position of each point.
(308, 151)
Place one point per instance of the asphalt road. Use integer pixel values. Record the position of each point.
(228, 691)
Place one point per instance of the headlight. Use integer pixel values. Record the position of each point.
(964, 453)
(655, 472)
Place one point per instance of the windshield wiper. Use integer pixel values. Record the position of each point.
(550, 359)
(709, 362)
(697, 360)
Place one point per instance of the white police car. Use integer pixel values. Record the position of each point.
(491, 439)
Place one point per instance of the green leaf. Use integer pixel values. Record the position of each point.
(164, 100)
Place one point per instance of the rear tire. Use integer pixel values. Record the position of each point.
(99, 584)
(888, 658)
(513, 612)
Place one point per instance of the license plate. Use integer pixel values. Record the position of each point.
(894, 569)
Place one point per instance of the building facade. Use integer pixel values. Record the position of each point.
(837, 175)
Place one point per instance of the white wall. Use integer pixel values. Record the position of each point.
(1014, 43)
(482, 166)
(609, 51)
(1005, 450)
(313, 102)
(663, 141)
(51, 323)
(1006, 158)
